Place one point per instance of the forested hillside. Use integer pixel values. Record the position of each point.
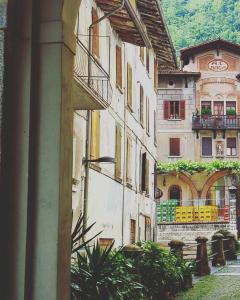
(193, 21)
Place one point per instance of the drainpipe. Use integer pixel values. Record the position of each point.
(124, 159)
(89, 115)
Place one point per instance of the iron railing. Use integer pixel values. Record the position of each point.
(215, 122)
(87, 70)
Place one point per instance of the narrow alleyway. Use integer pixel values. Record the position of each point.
(223, 284)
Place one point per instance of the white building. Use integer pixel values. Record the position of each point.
(120, 196)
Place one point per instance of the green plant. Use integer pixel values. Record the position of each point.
(231, 112)
(78, 237)
(159, 270)
(206, 111)
(103, 274)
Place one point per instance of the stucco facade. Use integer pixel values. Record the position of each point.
(198, 120)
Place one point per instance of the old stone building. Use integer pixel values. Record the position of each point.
(198, 120)
(118, 197)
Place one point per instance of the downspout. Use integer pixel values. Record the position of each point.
(89, 115)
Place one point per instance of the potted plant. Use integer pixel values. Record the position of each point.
(231, 113)
(206, 112)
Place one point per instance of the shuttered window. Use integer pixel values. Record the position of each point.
(141, 105)
(174, 147)
(147, 229)
(95, 135)
(118, 147)
(129, 160)
(95, 34)
(174, 110)
(142, 54)
(132, 231)
(147, 115)
(155, 73)
(145, 173)
(119, 66)
(231, 146)
(206, 146)
(129, 85)
(105, 243)
(147, 177)
(147, 60)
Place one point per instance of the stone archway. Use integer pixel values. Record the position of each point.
(37, 149)
(189, 182)
(211, 180)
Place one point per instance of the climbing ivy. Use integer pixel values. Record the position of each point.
(191, 167)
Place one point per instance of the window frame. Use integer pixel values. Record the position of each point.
(231, 155)
(203, 138)
(171, 152)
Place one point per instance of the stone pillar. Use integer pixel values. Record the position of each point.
(202, 267)
(217, 249)
(176, 248)
(231, 253)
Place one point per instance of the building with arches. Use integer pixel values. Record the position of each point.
(198, 119)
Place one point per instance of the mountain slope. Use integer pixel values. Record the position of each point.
(193, 21)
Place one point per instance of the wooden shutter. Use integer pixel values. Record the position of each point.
(207, 146)
(95, 134)
(142, 51)
(155, 73)
(119, 66)
(147, 229)
(174, 147)
(147, 177)
(95, 33)
(118, 147)
(147, 60)
(141, 104)
(129, 160)
(129, 85)
(166, 110)
(182, 110)
(132, 231)
(143, 177)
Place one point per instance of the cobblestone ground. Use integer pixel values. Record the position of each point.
(222, 285)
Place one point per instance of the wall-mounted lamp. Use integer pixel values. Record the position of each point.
(103, 159)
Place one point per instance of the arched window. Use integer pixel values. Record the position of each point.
(175, 193)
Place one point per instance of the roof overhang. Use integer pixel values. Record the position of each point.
(208, 46)
(178, 73)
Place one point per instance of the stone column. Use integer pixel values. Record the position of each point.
(176, 248)
(202, 267)
(231, 253)
(217, 249)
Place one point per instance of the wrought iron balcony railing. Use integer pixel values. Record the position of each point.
(87, 70)
(216, 122)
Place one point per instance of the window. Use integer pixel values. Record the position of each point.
(104, 243)
(132, 231)
(129, 86)
(155, 73)
(218, 108)
(231, 146)
(186, 82)
(95, 134)
(141, 105)
(155, 127)
(129, 161)
(231, 105)
(118, 147)
(147, 60)
(147, 116)
(119, 66)
(174, 147)
(95, 34)
(175, 193)
(206, 146)
(142, 54)
(206, 104)
(147, 229)
(174, 110)
(144, 173)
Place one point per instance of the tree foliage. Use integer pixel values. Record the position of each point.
(192, 21)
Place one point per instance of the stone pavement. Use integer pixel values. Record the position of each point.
(222, 284)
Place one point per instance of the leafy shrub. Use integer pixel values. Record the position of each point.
(231, 112)
(206, 111)
(160, 271)
(104, 275)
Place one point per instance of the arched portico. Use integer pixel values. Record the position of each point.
(37, 149)
(211, 180)
(189, 182)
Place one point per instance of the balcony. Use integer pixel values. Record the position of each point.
(91, 87)
(215, 122)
